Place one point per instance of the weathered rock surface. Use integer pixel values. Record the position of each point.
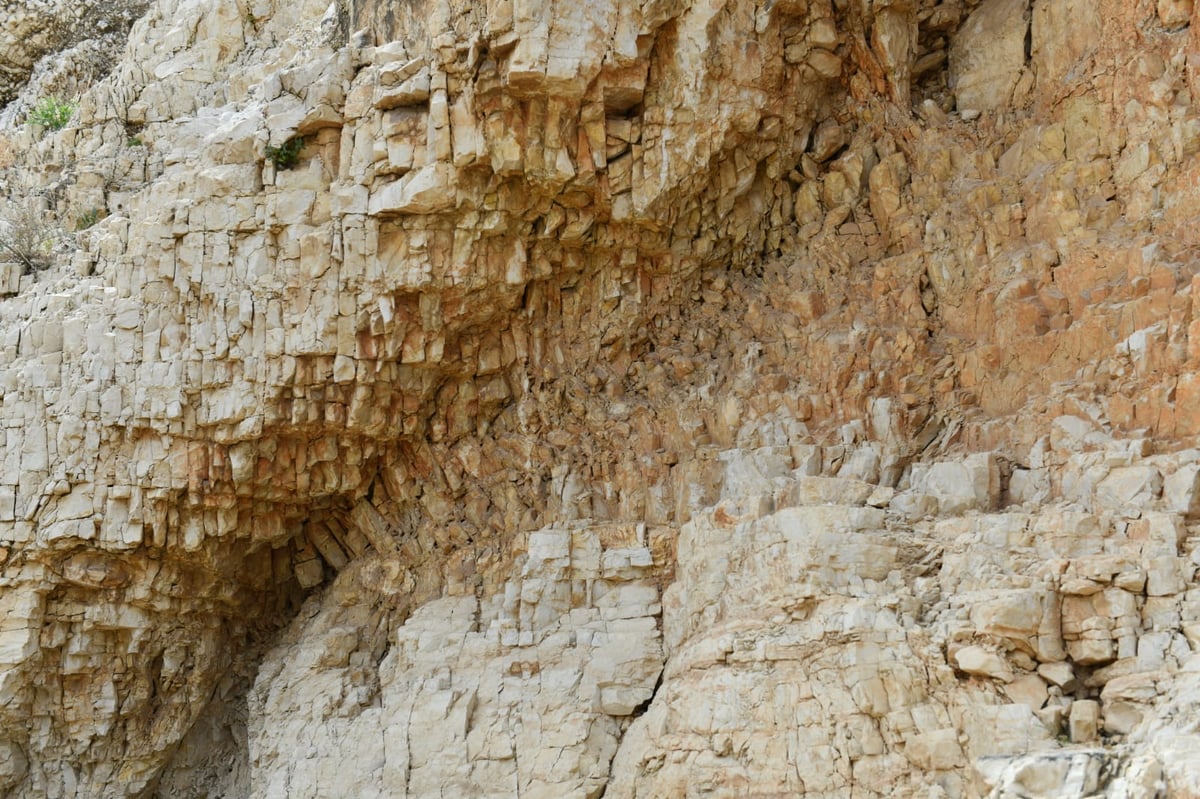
(988, 58)
(56, 30)
(522, 696)
(629, 399)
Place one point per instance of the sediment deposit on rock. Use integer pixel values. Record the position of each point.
(631, 399)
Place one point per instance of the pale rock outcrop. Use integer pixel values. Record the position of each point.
(988, 56)
(637, 399)
(524, 694)
(245, 349)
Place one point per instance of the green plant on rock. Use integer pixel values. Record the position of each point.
(133, 135)
(286, 155)
(87, 219)
(51, 113)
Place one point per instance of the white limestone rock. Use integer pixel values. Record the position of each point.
(959, 486)
(979, 661)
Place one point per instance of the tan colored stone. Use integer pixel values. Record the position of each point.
(1121, 718)
(1060, 674)
(987, 55)
(1181, 491)
(938, 750)
(563, 304)
(972, 484)
(1129, 489)
(1064, 33)
(979, 661)
(1028, 689)
(1174, 13)
(1084, 723)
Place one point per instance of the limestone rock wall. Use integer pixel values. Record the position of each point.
(39, 35)
(526, 694)
(612, 398)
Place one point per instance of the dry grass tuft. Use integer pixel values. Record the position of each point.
(28, 235)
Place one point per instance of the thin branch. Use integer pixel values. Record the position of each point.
(22, 257)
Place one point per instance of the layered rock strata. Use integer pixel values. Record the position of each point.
(638, 400)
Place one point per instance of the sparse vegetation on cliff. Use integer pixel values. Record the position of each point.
(28, 235)
(286, 155)
(51, 113)
(88, 218)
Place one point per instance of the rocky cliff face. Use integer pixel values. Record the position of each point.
(625, 399)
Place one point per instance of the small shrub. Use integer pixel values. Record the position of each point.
(51, 113)
(133, 135)
(29, 234)
(286, 155)
(89, 218)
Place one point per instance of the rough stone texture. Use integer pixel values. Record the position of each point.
(524, 696)
(54, 29)
(641, 399)
(988, 58)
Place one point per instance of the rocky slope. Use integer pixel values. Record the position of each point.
(623, 399)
